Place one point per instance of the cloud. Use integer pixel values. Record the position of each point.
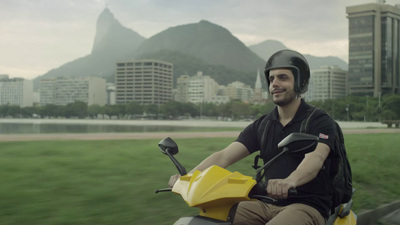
(39, 35)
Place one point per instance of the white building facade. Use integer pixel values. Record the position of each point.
(16, 91)
(63, 90)
(239, 90)
(196, 89)
(328, 82)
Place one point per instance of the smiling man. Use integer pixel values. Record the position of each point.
(287, 73)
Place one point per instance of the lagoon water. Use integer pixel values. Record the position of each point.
(25, 128)
(45, 126)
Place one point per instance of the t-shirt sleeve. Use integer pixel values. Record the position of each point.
(249, 137)
(323, 127)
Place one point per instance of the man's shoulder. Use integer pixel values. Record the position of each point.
(262, 119)
(317, 112)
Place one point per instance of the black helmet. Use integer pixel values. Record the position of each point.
(288, 59)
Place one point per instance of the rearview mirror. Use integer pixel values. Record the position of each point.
(168, 147)
(293, 143)
(299, 142)
(167, 144)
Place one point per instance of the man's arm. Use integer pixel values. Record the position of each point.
(306, 171)
(224, 158)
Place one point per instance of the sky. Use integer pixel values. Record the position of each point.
(39, 35)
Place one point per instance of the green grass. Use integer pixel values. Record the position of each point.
(113, 182)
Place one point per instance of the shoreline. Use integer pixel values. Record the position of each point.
(347, 127)
(178, 123)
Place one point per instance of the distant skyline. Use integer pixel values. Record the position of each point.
(39, 35)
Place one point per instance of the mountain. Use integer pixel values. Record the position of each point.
(209, 42)
(266, 48)
(317, 61)
(190, 65)
(113, 38)
(113, 42)
(201, 46)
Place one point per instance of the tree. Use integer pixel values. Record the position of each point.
(133, 108)
(240, 110)
(119, 110)
(28, 112)
(392, 103)
(77, 109)
(49, 110)
(208, 109)
(110, 111)
(171, 109)
(10, 110)
(151, 110)
(94, 110)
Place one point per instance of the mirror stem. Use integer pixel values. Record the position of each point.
(258, 177)
(181, 169)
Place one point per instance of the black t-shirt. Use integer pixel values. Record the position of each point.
(320, 125)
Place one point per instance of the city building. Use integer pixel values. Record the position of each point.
(110, 88)
(374, 48)
(63, 90)
(239, 90)
(328, 82)
(197, 89)
(182, 88)
(143, 81)
(16, 91)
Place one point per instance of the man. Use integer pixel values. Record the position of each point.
(287, 73)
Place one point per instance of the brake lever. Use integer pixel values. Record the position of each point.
(163, 190)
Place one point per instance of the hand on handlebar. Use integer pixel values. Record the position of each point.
(279, 188)
(173, 179)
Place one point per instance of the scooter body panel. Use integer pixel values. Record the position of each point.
(214, 191)
(200, 220)
(350, 219)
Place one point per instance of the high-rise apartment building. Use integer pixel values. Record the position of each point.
(16, 91)
(63, 90)
(328, 82)
(374, 49)
(143, 81)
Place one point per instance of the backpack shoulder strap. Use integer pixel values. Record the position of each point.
(264, 131)
(305, 122)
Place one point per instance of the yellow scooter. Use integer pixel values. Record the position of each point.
(217, 191)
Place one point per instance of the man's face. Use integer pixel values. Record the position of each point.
(281, 86)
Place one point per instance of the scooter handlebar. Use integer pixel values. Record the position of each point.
(259, 191)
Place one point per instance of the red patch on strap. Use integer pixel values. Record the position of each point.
(323, 136)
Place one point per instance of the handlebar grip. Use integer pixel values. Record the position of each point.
(292, 192)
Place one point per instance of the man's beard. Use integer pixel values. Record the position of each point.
(287, 98)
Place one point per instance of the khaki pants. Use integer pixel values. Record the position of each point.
(260, 213)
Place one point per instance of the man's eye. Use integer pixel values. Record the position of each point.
(283, 77)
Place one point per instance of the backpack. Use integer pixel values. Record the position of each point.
(340, 170)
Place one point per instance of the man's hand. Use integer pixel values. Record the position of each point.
(278, 188)
(173, 179)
